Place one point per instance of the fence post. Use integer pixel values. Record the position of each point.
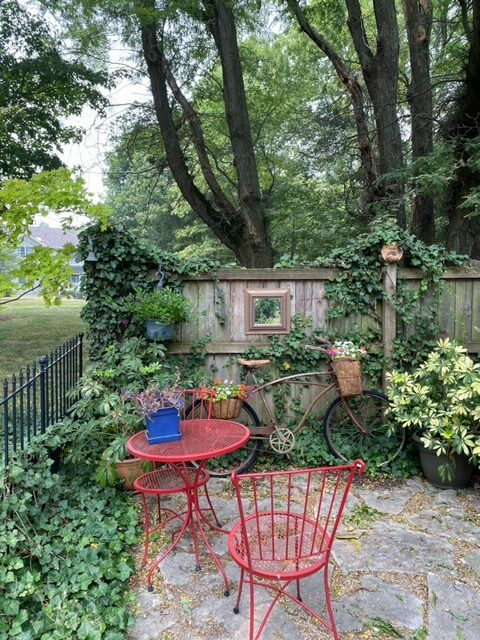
(42, 361)
(80, 355)
(391, 254)
(5, 419)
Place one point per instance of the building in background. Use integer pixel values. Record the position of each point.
(53, 238)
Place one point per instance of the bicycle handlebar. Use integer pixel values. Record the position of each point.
(320, 347)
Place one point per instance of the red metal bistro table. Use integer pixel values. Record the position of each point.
(201, 440)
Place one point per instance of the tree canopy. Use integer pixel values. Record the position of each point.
(282, 128)
(41, 84)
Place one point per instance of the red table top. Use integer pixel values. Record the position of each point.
(201, 440)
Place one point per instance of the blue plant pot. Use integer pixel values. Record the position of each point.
(157, 331)
(163, 426)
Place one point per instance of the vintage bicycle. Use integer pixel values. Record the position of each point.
(354, 426)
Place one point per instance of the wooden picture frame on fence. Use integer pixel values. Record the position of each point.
(267, 311)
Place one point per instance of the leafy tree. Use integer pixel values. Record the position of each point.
(461, 129)
(20, 201)
(41, 84)
(251, 162)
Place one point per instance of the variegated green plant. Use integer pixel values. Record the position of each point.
(440, 400)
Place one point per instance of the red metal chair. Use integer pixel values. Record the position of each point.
(171, 480)
(286, 533)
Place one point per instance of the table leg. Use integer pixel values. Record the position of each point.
(199, 518)
(178, 536)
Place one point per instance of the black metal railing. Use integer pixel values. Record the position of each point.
(38, 396)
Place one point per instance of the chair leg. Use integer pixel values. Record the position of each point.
(236, 608)
(328, 602)
(251, 598)
(299, 597)
(146, 528)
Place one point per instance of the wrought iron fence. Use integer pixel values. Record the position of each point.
(38, 396)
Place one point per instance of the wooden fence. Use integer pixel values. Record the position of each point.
(220, 301)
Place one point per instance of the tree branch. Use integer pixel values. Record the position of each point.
(220, 198)
(355, 91)
(357, 31)
(22, 294)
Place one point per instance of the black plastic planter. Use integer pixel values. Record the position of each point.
(431, 462)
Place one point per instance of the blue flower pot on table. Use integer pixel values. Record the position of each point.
(163, 425)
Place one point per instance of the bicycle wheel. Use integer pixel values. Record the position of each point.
(345, 440)
(240, 460)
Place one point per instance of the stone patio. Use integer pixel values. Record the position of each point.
(406, 565)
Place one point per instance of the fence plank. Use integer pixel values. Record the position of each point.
(458, 308)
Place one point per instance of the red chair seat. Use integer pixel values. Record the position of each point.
(274, 540)
(168, 480)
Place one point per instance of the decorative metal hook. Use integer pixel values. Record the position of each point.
(161, 276)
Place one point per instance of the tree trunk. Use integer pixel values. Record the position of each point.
(418, 21)
(463, 230)
(373, 190)
(380, 72)
(220, 21)
(242, 229)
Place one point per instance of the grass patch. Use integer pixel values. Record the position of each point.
(361, 516)
(29, 329)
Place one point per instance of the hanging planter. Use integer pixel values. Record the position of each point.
(159, 311)
(227, 409)
(158, 331)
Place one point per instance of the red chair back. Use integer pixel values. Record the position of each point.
(288, 519)
(197, 404)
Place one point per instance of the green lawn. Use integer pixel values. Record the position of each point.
(29, 329)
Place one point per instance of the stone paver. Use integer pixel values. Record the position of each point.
(454, 610)
(381, 575)
(387, 500)
(378, 599)
(393, 547)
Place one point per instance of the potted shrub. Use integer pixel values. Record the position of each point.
(161, 410)
(440, 403)
(102, 420)
(160, 310)
(227, 399)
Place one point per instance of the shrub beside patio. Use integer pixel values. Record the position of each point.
(65, 564)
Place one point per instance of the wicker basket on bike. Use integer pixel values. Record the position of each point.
(349, 377)
(227, 399)
(345, 364)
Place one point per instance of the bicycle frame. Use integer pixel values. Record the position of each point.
(264, 432)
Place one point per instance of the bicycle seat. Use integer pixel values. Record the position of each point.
(252, 364)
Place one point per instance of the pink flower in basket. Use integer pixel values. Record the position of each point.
(345, 350)
(226, 389)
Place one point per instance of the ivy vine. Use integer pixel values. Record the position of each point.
(65, 545)
(123, 265)
(358, 289)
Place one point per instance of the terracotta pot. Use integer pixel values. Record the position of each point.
(129, 470)
(431, 462)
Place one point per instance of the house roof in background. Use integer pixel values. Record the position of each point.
(55, 238)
